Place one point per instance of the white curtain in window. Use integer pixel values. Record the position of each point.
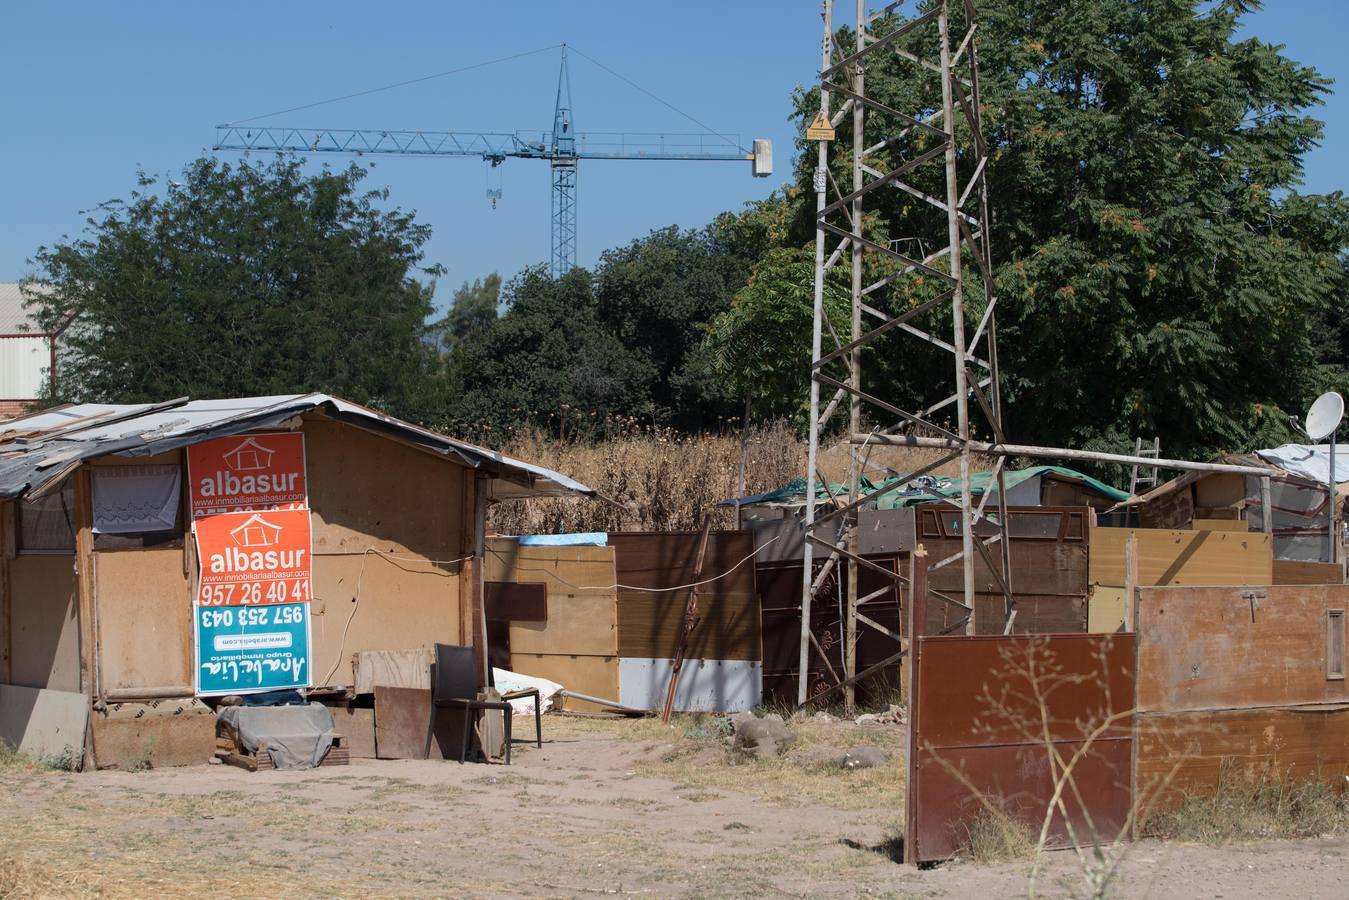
(129, 499)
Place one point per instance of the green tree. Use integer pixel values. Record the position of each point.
(473, 306)
(1157, 269)
(548, 362)
(656, 295)
(243, 280)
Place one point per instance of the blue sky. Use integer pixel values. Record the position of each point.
(91, 91)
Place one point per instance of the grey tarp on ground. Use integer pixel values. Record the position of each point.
(296, 736)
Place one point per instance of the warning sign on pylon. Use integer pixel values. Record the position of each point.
(820, 129)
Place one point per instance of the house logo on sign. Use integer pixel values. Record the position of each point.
(250, 456)
(256, 532)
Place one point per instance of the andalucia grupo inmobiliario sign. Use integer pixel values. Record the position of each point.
(254, 546)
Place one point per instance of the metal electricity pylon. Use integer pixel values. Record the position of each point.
(889, 149)
(563, 148)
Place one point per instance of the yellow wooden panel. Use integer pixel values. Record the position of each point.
(369, 491)
(581, 624)
(593, 675)
(1221, 525)
(1106, 609)
(1182, 557)
(403, 605)
(566, 570)
(144, 618)
(44, 622)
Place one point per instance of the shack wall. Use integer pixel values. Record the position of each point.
(1239, 681)
(576, 643)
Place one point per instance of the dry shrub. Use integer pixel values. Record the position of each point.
(658, 480)
(995, 835)
(24, 877)
(661, 481)
(1249, 809)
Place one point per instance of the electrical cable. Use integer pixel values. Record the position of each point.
(658, 99)
(398, 84)
(356, 600)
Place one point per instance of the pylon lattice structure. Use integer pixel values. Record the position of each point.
(892, 293)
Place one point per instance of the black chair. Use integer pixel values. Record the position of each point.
(455, 686)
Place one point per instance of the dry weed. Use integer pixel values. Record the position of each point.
(661, 481)
(25, 876)
(1249, 809)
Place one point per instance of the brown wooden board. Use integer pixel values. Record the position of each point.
(1235, 647)
(780, 629)
(727, 626)
(407, 726)
(582, 624)
(511, 602)
(1292, 571)
(666, 559)
(593, 675)
(1038, 568)
(1191, 753)
(975, 716)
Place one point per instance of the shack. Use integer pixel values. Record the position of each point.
(117, 615)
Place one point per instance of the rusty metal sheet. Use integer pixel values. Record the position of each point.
(979, 705)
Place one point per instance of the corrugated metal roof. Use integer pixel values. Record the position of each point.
(38, 450)
(12, 314)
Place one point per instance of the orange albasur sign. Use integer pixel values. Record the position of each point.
(250, 558)
(247, 472)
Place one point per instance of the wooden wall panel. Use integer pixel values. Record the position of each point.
(565, 570)
(143, 602)
(1229, 647)
(366, 490)
(1038, 567)
(1106, 610)
(593, 675)
(1292, 571)
(44, 622)
(666, 559)
(1188, 753)
(403, 606)
(1183, 557)
(649, 625)
(582, 625)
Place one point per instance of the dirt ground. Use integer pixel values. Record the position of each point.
(606, 807)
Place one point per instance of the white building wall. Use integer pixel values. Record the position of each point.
(23, 367)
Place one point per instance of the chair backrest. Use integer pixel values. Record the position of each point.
(456, 674)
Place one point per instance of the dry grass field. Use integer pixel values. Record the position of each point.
(659, 481)
(607, 807)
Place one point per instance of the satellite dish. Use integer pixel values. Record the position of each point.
(1325, 415)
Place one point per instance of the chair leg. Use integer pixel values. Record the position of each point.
(468, 726)
(538, 723)
(506, 717)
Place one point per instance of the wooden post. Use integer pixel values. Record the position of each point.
(1130, 578)
(7, 549)
(690, 620)
(1266, 505)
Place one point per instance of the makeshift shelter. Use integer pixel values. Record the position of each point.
(887, 526)
(1298, 503)
(361, 532)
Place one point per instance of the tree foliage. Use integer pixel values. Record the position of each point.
(245, 280)
(1156, 268)
(473, 306)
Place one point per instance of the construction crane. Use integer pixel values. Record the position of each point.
(563, 149)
